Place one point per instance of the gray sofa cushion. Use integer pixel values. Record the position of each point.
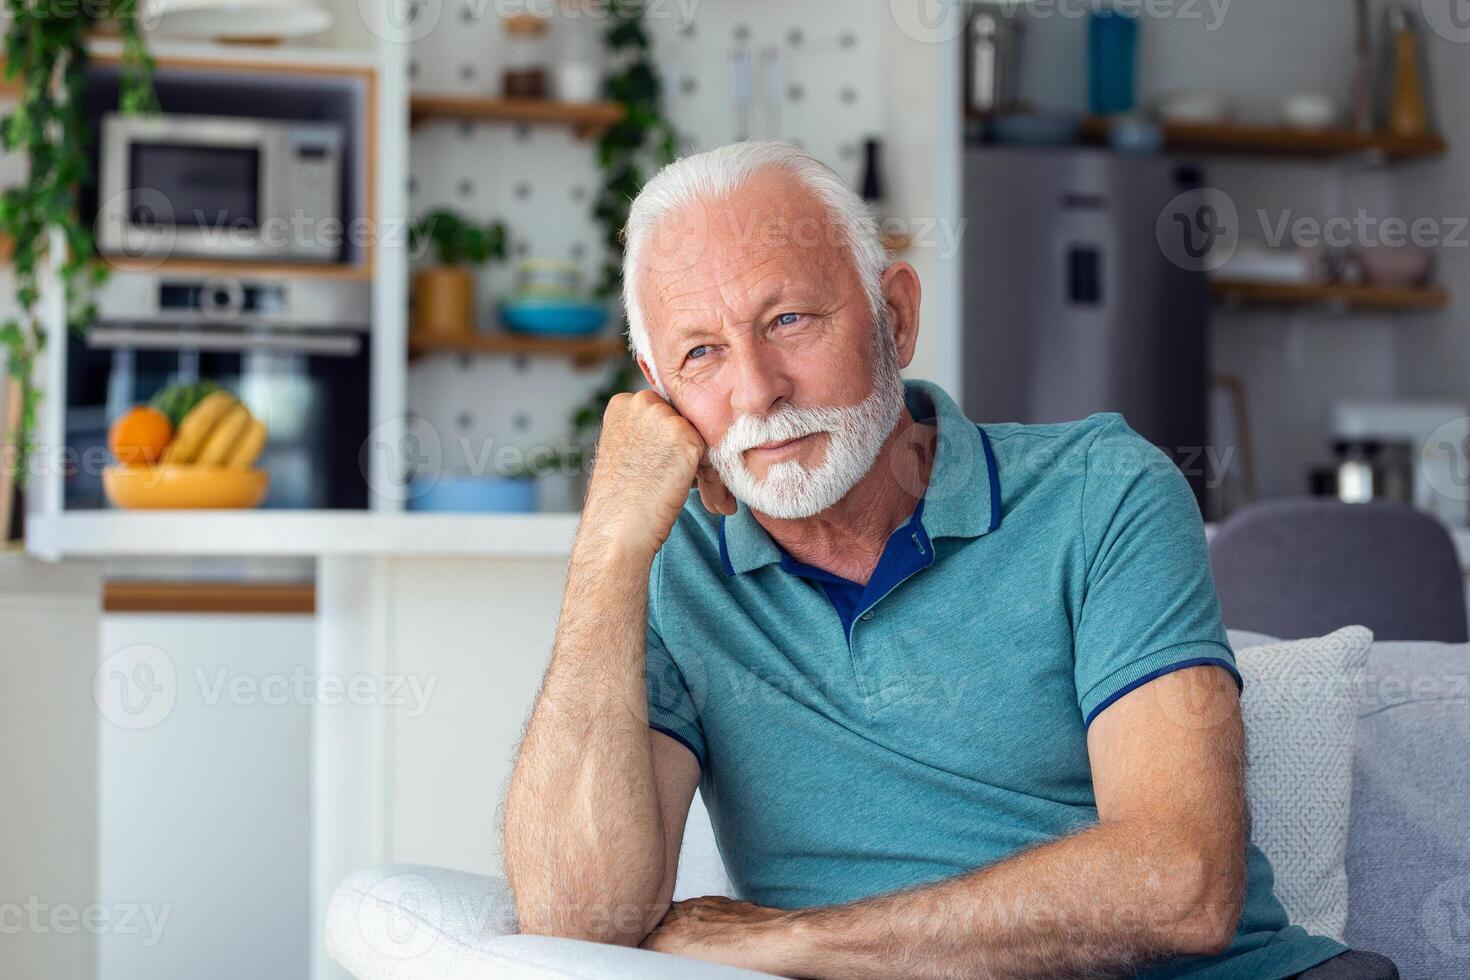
(1409, 844)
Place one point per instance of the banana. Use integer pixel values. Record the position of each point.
(197, 425)
(247, 448)
(223, 436)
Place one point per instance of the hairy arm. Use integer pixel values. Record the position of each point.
(1161, 874)
(595, 812)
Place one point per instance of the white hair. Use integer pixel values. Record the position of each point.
(719, 172)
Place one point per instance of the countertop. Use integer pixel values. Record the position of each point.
(311, 534)
(293, 533)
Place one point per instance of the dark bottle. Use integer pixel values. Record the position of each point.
(872, 183)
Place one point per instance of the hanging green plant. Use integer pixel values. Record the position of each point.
(46, 55)
(644, 139)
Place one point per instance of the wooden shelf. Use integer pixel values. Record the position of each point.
(1350, 298)
(583, 351)
(356, 272)
(587, 119)
(897, 241)
(1241, 139)
(208, 597)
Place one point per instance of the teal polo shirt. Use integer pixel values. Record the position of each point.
(854, 740)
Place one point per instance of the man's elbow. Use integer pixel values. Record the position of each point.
(1207, 901)
(628, 929)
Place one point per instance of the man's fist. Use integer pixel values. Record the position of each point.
(647, 457)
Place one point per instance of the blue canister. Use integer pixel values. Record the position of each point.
(1111, 53)
(472, 494)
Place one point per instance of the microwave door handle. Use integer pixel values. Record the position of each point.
(328, 345)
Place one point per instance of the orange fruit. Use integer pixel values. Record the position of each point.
(139, 436)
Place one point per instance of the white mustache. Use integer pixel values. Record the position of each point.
(789, 422)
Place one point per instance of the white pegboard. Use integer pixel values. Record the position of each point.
(542, 181)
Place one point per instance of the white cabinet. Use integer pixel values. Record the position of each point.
(48, 770)
(204, 781)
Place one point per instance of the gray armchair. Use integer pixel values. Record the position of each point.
(1305, 567)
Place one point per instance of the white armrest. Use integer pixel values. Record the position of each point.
(411, 922)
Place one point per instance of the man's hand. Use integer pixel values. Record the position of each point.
(647, 457)
(722, 930)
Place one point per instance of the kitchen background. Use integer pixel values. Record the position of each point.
(1038, 163)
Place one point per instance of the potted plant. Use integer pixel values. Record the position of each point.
(444, 294)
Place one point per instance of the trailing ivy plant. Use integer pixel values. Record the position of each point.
(46, 59)
(643, 136)
(643, 139)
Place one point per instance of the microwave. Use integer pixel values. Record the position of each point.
(220, 187)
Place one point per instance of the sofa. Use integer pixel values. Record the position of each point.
(1407, 858)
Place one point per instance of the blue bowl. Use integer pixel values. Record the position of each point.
(472, 494)
(551, 315)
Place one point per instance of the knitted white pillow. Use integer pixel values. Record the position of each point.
(1301, 710)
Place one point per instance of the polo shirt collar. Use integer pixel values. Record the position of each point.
(961, 501)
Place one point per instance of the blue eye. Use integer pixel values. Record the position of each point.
(786, 319)
(694, 354)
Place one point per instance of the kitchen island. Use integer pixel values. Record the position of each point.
(431, 634)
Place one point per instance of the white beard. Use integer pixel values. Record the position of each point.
(855, 434)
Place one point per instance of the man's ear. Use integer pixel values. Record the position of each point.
(647, 374)
(901, 294)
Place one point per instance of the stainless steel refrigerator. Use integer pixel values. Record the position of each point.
(1072, 306)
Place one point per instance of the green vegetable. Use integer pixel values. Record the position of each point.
(178, 400)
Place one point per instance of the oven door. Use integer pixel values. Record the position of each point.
(200, 186)
(310, 389)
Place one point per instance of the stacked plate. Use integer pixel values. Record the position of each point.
(549, 300)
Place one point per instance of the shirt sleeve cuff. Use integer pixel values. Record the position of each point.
(1153, 666)
(678, 730)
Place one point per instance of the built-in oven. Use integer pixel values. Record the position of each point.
(220, 187)
(296, 351)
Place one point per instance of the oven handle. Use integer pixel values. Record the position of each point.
(330, 345)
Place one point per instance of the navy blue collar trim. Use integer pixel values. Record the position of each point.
(994, 480)
(724, 549)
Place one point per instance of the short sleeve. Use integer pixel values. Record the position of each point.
(670, 706)
(1149, 605)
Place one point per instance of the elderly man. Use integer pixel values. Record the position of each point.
(957, 698)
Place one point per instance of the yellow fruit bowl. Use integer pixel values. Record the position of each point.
(175, 485)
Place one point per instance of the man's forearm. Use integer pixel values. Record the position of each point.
(1097, 903)
(584, 849)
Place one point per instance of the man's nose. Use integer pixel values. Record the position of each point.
(761, 381)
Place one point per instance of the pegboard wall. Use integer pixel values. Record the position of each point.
(816, 73)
